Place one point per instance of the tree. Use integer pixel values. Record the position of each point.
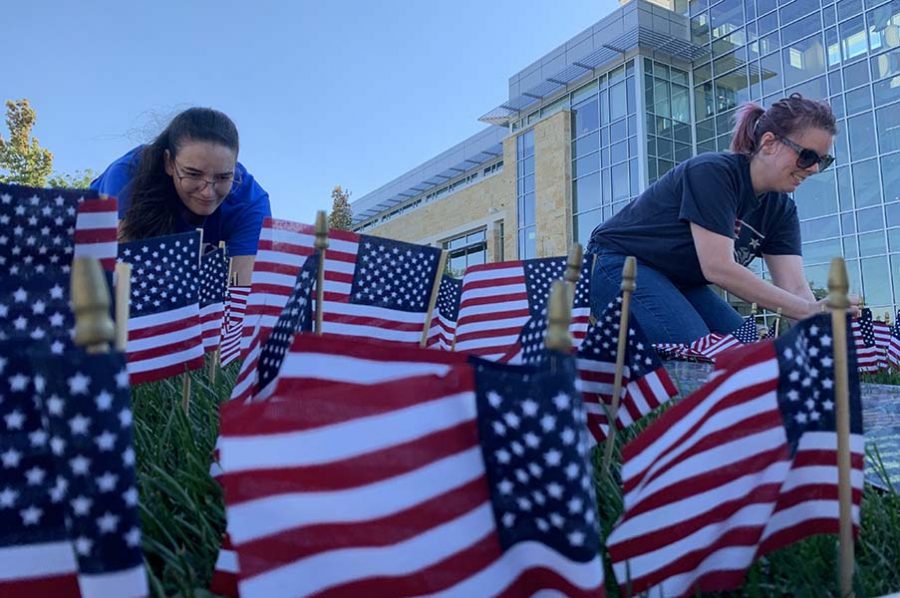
(22, 157)
(341, 217)
(80, 180)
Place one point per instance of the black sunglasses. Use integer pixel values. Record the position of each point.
(807, 157)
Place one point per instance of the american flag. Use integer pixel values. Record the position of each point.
(498, 301)
(213, 282)
(36, 557)
(261, 368)
(882, 334)
(233, 323)
(164, 337)
(645, 382)
(744, 466)
(864, 339)
(708, 347)
(894, 346)
(455, 483)
(44, 228)
(34, 310)
(86, 401)
(446, 312)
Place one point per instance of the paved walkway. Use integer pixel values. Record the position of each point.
(881, 417)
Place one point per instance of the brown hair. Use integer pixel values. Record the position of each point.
(784, 117)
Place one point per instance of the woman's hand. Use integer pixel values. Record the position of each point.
(821, 306)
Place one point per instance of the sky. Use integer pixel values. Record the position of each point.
(352, 93)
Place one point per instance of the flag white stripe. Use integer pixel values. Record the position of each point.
(731, 558)
(143, 365)
(470, 311)
(322, 366)
(493, 274)
(372, 311)
(807, 510)
(265, 516)
(160, 340)
(345, 440)
(496, 291)
(138, 322)
(227, 561)
(126, 583)
(36, 560)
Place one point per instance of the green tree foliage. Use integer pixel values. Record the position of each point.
(341, 217)
(21, 157)
(80, 180)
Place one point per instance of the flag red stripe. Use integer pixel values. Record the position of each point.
(59, 586)
(169, 371)
(489, 283)
(468, 302)
(499, 315)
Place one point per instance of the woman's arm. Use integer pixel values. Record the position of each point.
(787, 274)
(716, 255)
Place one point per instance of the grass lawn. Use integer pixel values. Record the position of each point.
(183, 514)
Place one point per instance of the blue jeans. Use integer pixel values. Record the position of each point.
(668, 313)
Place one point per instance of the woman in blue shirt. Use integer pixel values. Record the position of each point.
(706, 219)
(188, 178)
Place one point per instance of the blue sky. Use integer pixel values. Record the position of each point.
(328, 92)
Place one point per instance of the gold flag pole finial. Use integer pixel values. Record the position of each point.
(629, 274)
(753, 309)
(838, 285)
(559, 317)
(321, 245)
(94, 329)
(573, 267)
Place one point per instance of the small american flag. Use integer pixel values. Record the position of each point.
(233, 323)
(164, 336)
(36, 558)
(744, 466)
(34, 310)
(864, 340)
(708, 347)
(645, 383)
(882, 335)
(213, 282)
(894, 346)
(473, 483)
(86, 403)
(446, 312)
(499, 300)
(96, 231)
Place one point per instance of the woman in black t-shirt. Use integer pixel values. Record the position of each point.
(709, 217)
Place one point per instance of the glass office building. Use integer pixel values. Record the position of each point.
(649, 86)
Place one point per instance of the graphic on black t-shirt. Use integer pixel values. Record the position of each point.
(747, 242)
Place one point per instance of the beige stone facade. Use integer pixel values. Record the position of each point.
(491, 204)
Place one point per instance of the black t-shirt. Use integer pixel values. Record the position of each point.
(714, 191)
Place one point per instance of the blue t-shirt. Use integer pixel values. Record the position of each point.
(237, 221)
(713, 190)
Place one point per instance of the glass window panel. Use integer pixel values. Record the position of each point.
(853, 276)
(586, 164)
(604, 107)
(632, 147)
(651, 170)
(886, 64)
(895, 271)
(876, 281)
(845, 189)
(814, 88)
(750, 8)
(665, 148)
(892, 211)
(886, 91)
(617, 74)
(528, 183)
(648, 92)
(872, 244)
(704, 101)
(476, 257)
(764, 6)
(861, 132)
(585, 145)
(835, 84)
(528, 165)
(586, 193)
(848, 8)
(527, 243)
(725, 17)
(884, 26)
(850, 250)
(528, 143)
(702, 73)
(837, 106)
(585, 225)
(805, 26)
(729, 42)
(856, 74)
(585, 118)
(585, 91)
(618, 130)
(869, 219)
(894, 239)
(890, 173)
(706, 129)
(770, 67)
(853, 38)
(682, 132)
(768, 22)
(848, 223)
(821, 251)
(865, 187)
(769, 42)
(818, 276)
(620, 182)
(682, 152)
(632, 124)
(663, 126)
(833, 46)
(816, 196)
(859, 100)
(619, 151)
(458, 265)
(635, 176)
(731, 90)
(651, 145)
(617, 101)
(802, 60)
(476, 236)
(828, 15)
(606, 183)
(679, 77)
(528, 206)
(796, 9)
(681, 104)
(819, 228)
(700, 29)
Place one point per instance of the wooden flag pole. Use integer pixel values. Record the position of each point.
(200, 254)
(214, 362)
(559, 315)
(94, 329)
(778, 323)
(435, 289)
(186, 391)
(838, 301)
(573, 269)
(321, 244)
(629, 273)
(123, 298)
